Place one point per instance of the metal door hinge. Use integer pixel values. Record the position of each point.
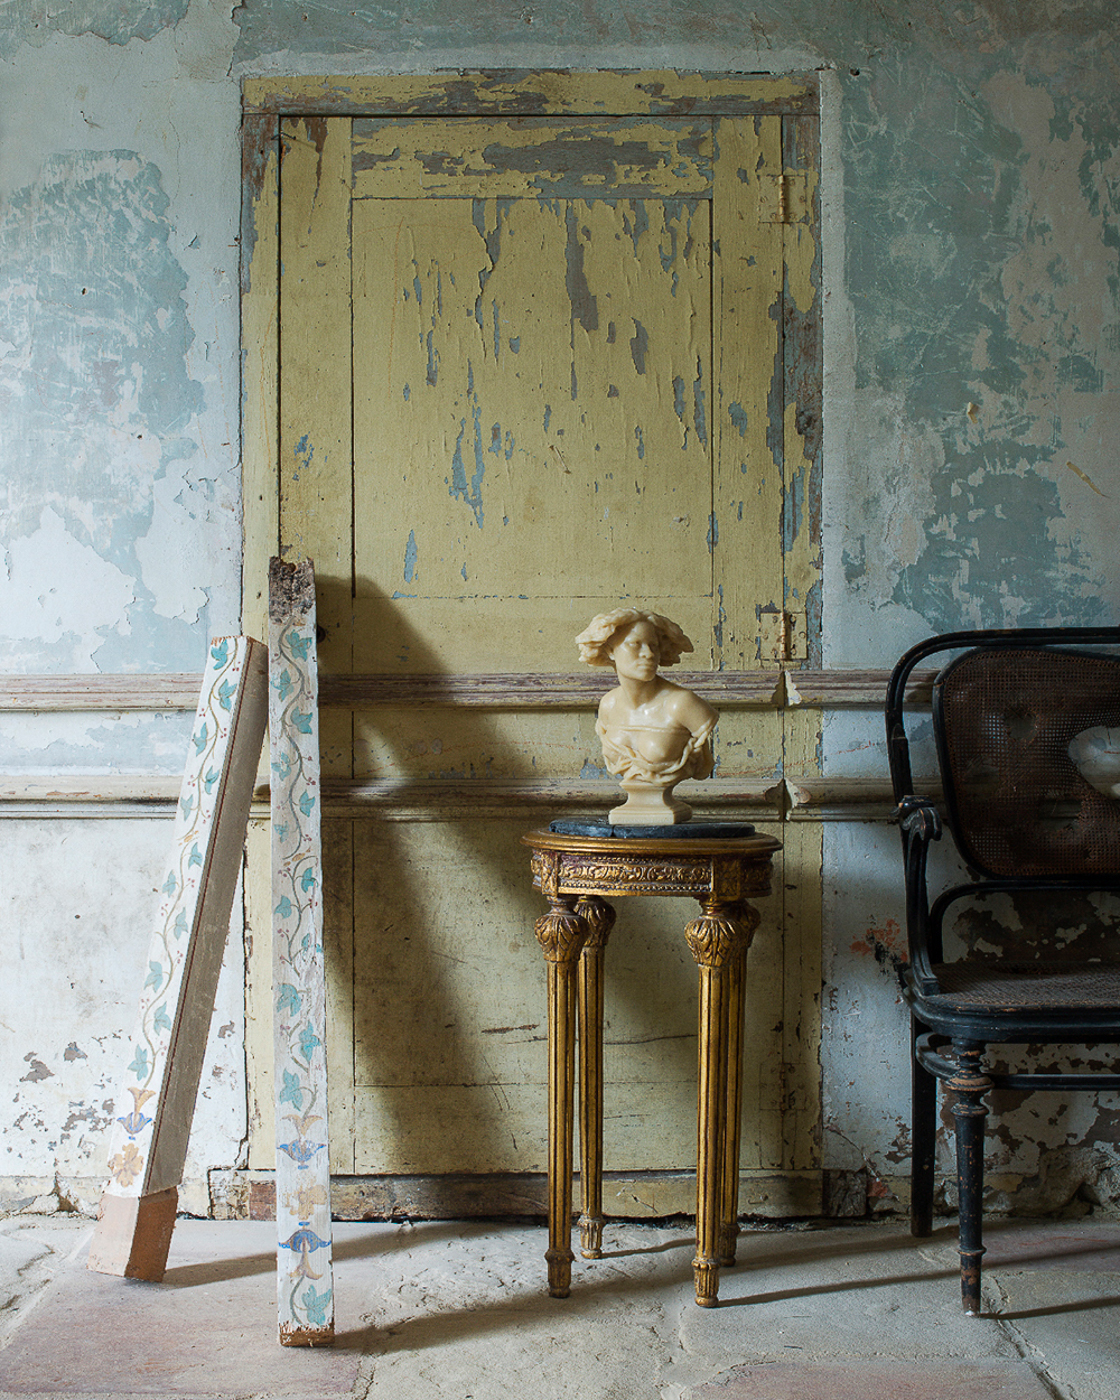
(782, 636)
(784, 198)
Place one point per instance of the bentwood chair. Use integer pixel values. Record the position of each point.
(1027, 731)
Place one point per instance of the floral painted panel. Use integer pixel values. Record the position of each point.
(303, 1212)
(154, 1108)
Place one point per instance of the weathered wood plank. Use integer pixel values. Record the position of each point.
(634, 1195)
(305, 1287)
(529, 692)
(51, 694)
(394, 800)
(747, 486)
(260, 302)
(810, 797)
(156, 1102)
(534, 157)
(515, 91)
(802, 435)
(852, 690)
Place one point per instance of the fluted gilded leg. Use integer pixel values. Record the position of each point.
(599, 917)
(717, 939)
(748, 919)
(561, 933)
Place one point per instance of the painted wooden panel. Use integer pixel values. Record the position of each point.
(449, 955)
(543, 434)
(305, 1287)
(148, 1143)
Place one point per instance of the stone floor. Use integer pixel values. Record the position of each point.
(460, 1310)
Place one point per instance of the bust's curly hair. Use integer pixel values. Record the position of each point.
(595, 640)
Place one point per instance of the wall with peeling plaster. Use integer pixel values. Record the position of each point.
(972, 335)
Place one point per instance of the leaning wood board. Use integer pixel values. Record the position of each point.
(157, 1095)
(305, 1291)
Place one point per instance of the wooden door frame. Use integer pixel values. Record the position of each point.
(796, 373)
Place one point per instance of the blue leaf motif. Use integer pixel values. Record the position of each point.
(195, 856)
(226, 691)
(200, 738)
(186, 804)
(288, 1000)
(306, 803)
(220, 653)
(284, 909)
(298, 645)
(308, 882)
(283, 684)
(210, 779)
(302, 721)
(162, 1021)
(139, 1065)
(292, 1092)
(155, 975)
(171, 886)
(284, 767)
(180, 924)
(316, 1305)
(308, 1040)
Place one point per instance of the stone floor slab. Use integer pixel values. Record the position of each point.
(1068, 1322)
(442, 1310)
(880, 1381)
(1074, 1247)
(208, 1329)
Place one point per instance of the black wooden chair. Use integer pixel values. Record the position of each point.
(1027, 731)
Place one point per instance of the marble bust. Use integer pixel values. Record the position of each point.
(654, 733)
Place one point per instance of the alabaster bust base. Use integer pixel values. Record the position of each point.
(649, 804)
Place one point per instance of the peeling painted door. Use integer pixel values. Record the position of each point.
(529, 367)
(537, 372)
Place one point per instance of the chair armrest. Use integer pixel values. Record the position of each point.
(920, 823)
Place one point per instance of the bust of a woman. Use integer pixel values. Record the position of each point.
(654, 733)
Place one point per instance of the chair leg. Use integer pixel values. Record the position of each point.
(969, 1084)
(923, 1129)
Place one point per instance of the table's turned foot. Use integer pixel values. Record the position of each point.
(591, 1236)
(559, 1272)
(705, 1274)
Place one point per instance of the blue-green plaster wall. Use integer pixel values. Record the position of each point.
(974, 310)
(971, 248)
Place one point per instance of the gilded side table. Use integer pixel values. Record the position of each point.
(579, 867)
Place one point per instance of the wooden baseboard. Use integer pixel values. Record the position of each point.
(653, 1195)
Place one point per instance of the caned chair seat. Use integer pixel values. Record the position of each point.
(1047, 989)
